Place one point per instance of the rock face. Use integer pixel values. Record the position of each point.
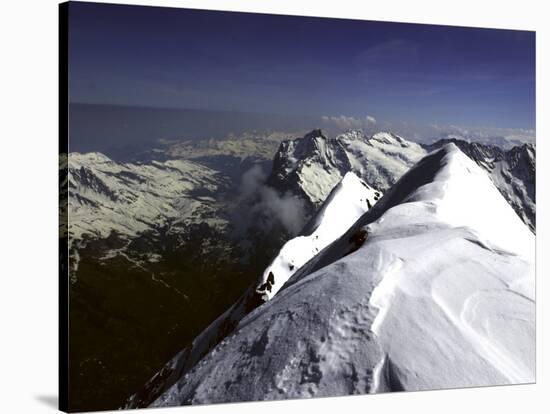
(431, 288)
(311, 166)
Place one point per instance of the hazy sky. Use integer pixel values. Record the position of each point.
(166, 57)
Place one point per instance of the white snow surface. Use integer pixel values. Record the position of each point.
(512, 172)
(348, 201)
(440, 295)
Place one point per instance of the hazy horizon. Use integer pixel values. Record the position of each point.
(120, 131)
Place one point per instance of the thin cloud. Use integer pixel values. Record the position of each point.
(267, 206)
(427, 133)
(504, 137)
(344, 123)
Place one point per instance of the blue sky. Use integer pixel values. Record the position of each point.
(400, 73)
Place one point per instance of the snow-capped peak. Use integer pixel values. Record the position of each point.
(512, 171)
(311, 166)
(482, 206)
(348, 201)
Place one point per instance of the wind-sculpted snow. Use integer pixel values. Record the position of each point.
(431, 288)
(348, 201)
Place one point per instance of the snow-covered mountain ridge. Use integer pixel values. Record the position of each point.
(512, 171)
(431, 288)
(348, 201)
(345, 204)
(312, 165)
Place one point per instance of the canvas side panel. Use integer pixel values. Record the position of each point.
(63, 208)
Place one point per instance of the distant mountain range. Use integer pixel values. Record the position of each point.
(311, 166)
(192, 186)
(129, 199)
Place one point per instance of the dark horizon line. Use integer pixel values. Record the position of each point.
(241, 112)
(178, 108)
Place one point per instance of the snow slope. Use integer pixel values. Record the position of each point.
(432, 288)
(348, 201)
(512, 171)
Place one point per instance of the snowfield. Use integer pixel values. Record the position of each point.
(433, 287)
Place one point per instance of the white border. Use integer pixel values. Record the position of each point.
(28, 172)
